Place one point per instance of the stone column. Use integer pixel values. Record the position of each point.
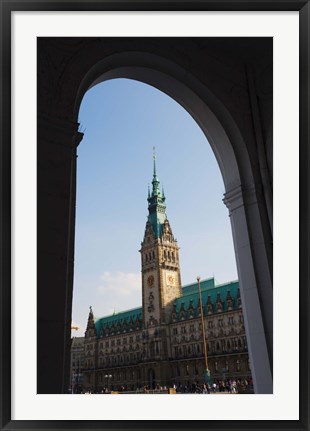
(57, 141)
(255, 282)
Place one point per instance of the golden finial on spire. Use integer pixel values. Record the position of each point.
(154, 162)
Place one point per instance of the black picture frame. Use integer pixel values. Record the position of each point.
(7, 7)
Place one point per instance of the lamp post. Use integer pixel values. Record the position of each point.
(108, 377)
(78, 375)
(207, 372)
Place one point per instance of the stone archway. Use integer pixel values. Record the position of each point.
(218, 114)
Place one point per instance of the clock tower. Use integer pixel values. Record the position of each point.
(161, 280)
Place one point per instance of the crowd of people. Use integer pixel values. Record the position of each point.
(228, 386)
(233, 386)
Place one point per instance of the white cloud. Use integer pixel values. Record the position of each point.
(112, 291)
(120, 283)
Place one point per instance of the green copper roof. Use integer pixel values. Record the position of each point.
(191, 297)
(124, 317)
(204, 284)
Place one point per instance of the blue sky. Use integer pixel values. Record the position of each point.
(123, 119)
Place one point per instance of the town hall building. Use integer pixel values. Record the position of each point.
(161, 343)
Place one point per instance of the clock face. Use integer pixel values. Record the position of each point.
(170, 279)
(150, 280)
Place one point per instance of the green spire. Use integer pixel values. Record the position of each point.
(157, 207)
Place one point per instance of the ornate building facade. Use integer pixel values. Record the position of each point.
(161, 343)
(77, 364)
